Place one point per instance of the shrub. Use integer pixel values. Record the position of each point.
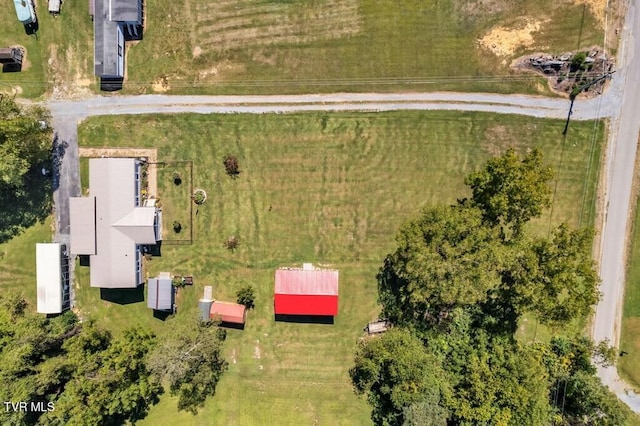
(199, 196)
(177, 178)
(246, 296)
(177, 227)
(231, 166)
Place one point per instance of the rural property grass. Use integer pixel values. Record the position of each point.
(328, 188)
(61, 55)
(629, 364)
(301, 46)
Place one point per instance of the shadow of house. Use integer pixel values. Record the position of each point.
(305, 319)
(114, 21)
(122, 296)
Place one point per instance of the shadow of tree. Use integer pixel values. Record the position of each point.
(21, 208)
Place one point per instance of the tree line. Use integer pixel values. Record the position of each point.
(458, 285)
(88, 376)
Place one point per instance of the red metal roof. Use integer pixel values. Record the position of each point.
(307, 281)
(228, 312)
(300, 304)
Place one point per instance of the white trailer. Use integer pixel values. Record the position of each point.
(52, 275)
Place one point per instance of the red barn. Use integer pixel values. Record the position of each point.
(306, 291)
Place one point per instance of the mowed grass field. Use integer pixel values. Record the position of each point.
(327, 188)
(301, 46)
(629, 364)
(61, 55)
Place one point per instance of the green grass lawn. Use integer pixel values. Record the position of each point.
(328, 188)
(298, 46)
(18, 260)
(61, 55)
(629, 364)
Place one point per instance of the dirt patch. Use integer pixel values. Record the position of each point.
(69, 82)
(223, 70)
(472, 11)
(495, 136)
(504, 42)
(197, 51)
(256, 350)
(150, 154)
(598, 9)
(161, 85)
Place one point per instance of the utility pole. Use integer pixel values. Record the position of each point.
(576, 91)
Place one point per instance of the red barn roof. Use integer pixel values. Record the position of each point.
(228, 312)
(307, 281)
(306, 292)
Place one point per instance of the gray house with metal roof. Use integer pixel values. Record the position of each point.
(113, 21)
(110, 225)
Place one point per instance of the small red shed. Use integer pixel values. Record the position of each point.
(231, 313)
(306, 291)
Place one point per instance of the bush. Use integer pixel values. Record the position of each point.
(231, 166)
(231, 243)
(177, 227)
(246, 296)
(199, 196)
(177, 178)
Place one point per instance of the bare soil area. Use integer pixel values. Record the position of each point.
(150, 154)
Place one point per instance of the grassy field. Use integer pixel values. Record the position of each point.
(61, 56)
(294, 46)
(629, 364)
(327, 188)
(18, 260)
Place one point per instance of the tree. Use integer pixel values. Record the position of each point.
(494, 379)
(398, 376)
(111, 384)
(25, 140)
(231, 166)
(192, 363)
(510, 191)
(25, 148)
(445, 258)
(576, 392)
(246, 296)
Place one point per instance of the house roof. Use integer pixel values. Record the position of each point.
(49, 278)
(119, 224)
(228, 312)
(105, 43)
(160, 294)
(82, 213)
(136, 225)
(124, 10)
(306, 281)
